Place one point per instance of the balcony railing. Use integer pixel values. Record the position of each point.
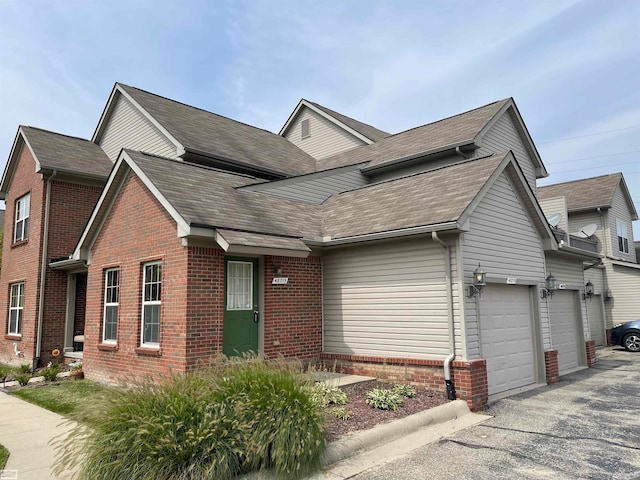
(576, 242)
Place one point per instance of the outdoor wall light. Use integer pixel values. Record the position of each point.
(588, 290)
(277, 269)
(550, 286)
(479, 281)
(607, 295)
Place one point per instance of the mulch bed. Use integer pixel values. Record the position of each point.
(364, 417)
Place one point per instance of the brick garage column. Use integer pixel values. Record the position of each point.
(591, 353)
(470, 379)
(551, 366)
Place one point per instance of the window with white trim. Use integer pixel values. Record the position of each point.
(111, 304)
(16, 302)
(305, 127)
(21, 225)
(151, 297)
(623, 238)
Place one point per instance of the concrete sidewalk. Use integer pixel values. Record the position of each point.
(26, 430)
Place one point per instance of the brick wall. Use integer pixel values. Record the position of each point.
(469, 377)
(21, 261)
(591, 353)
(293, 312)
(137, 230)
(551, 366)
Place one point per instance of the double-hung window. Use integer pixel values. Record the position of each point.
(16, 302)
(21, 225)
(151, 297)
(623, 238)
(111, 303)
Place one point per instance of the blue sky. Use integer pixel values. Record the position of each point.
(572, 66)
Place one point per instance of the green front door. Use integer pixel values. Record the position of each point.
(240, 332)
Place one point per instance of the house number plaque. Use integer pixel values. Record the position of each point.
(512, 280)
(279, 281)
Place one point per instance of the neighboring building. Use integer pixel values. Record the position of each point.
(333, 241)
(600, 211)
(50, 185)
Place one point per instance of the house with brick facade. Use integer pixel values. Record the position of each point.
(424, 255)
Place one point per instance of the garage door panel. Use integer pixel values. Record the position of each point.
(506, 337)
(564, 329)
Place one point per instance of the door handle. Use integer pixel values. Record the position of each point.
(256, 316)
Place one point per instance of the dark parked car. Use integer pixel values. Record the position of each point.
(627, 335)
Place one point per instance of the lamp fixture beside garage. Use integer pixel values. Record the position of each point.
(479, 281)
(550, 286)
(588, 290)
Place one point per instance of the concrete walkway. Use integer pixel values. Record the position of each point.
(26, 430)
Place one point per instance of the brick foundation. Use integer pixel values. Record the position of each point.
(591, 353)
(469, 377)
(551, 366)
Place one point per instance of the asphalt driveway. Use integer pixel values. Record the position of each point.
(585, 427)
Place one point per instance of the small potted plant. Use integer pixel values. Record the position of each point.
(75, 370)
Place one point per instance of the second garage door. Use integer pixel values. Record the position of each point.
(506, 337)
(564, 329)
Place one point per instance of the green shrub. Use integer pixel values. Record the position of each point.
(341, 413)
(326, 394)
(4, 456)
(23, 379)
(407, 391)
(219, 423)
(5, 371)
(287, 425)
(383, 399)
(25, 368)
(50, 372)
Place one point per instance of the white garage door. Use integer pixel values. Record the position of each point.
(506, 337)
(596, 320)
(564, 329)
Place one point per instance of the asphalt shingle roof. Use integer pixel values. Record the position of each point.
(208, 197)
(368, 131)
(69, 154)
(583, 194)
(221, 137)
(423, 199)
(453, 130)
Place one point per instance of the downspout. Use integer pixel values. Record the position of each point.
(43, 269)
(451, 389)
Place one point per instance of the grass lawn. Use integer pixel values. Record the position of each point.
(74, 399)
(4, 455)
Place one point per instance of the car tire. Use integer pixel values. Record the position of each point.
(631, 342)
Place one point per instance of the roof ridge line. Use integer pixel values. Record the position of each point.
(347, 116)
(196, 108)
(580, 180)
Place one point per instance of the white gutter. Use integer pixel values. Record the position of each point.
(43, 269)
(451, 390)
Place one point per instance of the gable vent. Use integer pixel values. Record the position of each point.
(306, 128)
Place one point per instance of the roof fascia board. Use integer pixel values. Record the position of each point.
(327, 242)
(234, 163)
(332, 119)
(510, 106)
(182, 225)
(415, 156)
(624, 264)
(111, 105)
(9, 168)
(250, 250)
(576, 252)
(545, 233)
(627, 195)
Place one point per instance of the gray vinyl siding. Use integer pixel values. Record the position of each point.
(624, 283)
(419, 167)
(503, 136)
(325, 138)
(569, 272)
(552, 206)
(388, 299)
(129, 128)
(504, 242)
(578, 221)
(620, 210)
(314, 188)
